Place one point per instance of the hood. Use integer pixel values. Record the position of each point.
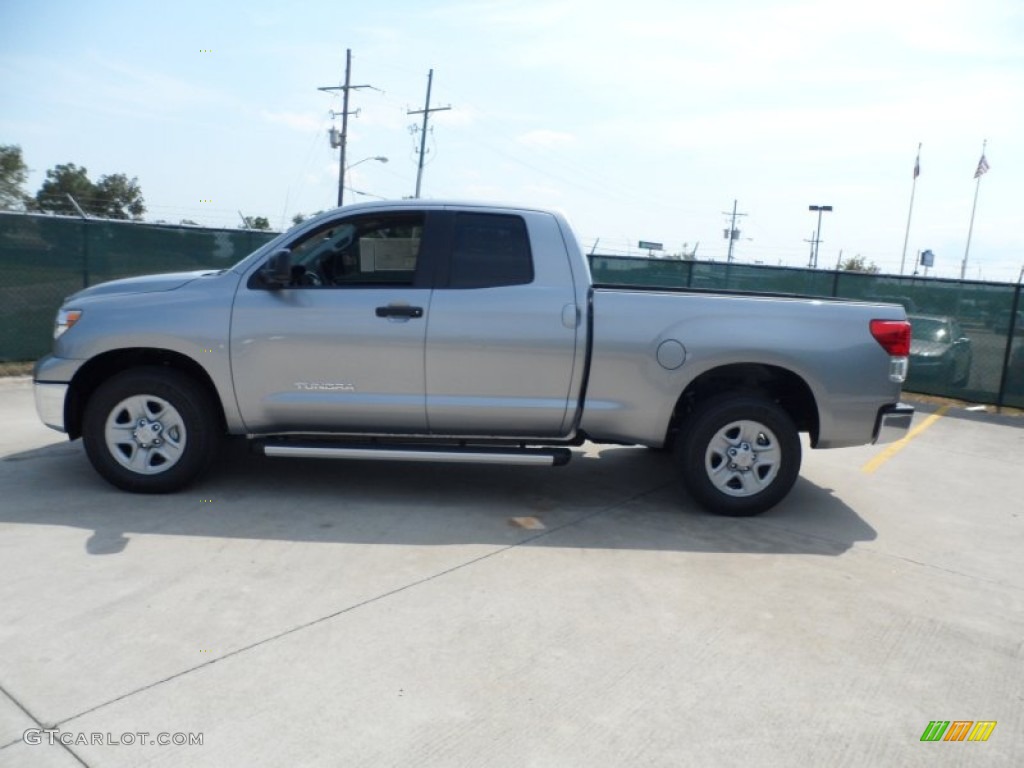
(143, 284)
(920, 348)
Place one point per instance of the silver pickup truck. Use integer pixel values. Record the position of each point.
(434, 331)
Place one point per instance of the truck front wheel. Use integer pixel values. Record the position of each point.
(150, 430)
(739, 455)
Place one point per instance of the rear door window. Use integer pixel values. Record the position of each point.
(490, 250)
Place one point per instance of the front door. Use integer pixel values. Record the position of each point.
(341, 348)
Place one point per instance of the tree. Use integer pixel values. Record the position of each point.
(119, 197)
(298, 218)
(13, 174)
(256, 222)
(859, 264)
(114, 197)
(61, 181)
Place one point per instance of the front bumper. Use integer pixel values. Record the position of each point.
(51, 378)
(893, 422)
(50, 399)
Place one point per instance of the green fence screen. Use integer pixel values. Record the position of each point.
(969, 336)
(45, 258)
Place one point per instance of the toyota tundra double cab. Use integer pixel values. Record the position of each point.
(440, 331)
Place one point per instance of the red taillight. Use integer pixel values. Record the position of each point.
(893, 335)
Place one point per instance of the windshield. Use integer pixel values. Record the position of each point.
(929, 329)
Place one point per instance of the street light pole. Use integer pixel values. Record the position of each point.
(378, 158)
(817, 238)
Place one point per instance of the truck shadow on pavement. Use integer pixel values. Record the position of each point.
(608, 497)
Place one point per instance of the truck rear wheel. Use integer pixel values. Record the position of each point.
(150, 430)
(739, 455)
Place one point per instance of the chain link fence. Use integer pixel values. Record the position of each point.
(43, 259)
(968, 335)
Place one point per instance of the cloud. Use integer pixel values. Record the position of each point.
(107, 85)
(304, 122)
(511, 14)
(544, 138)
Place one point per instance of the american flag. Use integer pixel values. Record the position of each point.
(982, 168)
(917, 166)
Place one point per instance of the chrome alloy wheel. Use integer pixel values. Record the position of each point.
(145, 434)
(743, 458)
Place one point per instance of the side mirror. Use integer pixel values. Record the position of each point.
(277, 271)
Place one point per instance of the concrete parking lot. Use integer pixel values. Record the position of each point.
(307, 613)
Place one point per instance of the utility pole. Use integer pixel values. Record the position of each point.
(732, 234)
(343, 139)
(423, 131)
(810, 259)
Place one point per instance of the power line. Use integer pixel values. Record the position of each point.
(423, 132)
(577, 176)
(342, 140)
(732, 234)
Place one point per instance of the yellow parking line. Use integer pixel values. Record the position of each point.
(899, 445)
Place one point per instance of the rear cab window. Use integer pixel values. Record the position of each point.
(489, 251)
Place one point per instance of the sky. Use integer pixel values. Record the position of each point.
(641, 120)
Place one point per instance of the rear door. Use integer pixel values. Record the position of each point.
(341, 348)
(503, 329)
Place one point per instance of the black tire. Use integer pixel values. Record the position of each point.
(765, 468)
(163, 434)
(948, 373)
(962, 381)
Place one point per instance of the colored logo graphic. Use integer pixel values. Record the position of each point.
(958, 730)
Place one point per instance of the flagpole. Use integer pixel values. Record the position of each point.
(982, 167)
(913, 188)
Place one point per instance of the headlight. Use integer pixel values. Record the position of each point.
(65, 319)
